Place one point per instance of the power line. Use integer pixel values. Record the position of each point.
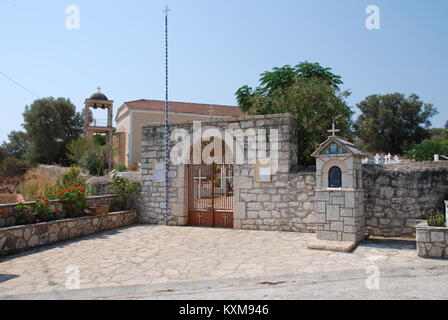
(18, 84)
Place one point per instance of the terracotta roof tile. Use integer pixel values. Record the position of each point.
(185, 107)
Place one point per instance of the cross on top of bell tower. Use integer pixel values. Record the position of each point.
(333, 131)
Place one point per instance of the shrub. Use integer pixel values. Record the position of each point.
(93, 161)
(70, 177)
(12, 167)
(120, 167)
(74, 200)
(43, 212)
(437, 221)
(427, 149)
(25, 214)
(124, 189)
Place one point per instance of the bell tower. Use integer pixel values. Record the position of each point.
(99, 100)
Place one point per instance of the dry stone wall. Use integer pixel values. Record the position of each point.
(398, 194)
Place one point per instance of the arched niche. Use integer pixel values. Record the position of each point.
(339, 167)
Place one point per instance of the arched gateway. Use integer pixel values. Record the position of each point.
(210, 193)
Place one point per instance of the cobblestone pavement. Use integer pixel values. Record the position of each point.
(159, 256)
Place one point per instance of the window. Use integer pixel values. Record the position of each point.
(335, 178)
(333, 148)
(263, 170)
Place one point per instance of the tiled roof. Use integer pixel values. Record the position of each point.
(185, 107)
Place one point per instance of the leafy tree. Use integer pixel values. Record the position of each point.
(17, 146)
(284, 77)
(308, 91)
(51, 124)
(392, 122)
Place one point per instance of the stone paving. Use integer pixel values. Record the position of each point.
(150, 255)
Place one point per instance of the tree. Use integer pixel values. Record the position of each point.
(284, 77)
(17, 146)
(392, 122)
(310, 92)
(51, 124)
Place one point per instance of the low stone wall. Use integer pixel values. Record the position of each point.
(398, 194)
(8, 216)
(19, 238)
(431, 241)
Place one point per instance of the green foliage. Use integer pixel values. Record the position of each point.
(308, 91)
(437, 221)
(282, 78)
(427, 149)
(120, 167)
(72, 176)
(88, 155)
(93, 161)
(12, 167)
(41, 212)
(124, 189)
(17, 145)
(393, 122)
(76, 149)
(438, 133)
(25, 214)
(51, 124)
(74, 200)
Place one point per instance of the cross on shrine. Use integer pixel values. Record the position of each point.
(333, 130)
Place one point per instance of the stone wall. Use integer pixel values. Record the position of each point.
(19, 238)
(398, 194)
(286, 204)
(431, 241)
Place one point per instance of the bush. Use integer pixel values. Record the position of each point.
(120, 167)
(70, 177)
(74, 200)
(12, 167)
(40, 213)
(124, 189)
(427, 149)
(437, 221)
(25, 214)
(43, 213)
(93, 161)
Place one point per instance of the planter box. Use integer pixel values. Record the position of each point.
(431, 241)
(98, 210)
(19, 238)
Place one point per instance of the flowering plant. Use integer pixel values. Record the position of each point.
(25, 214)
(43, 212)
(74, 200)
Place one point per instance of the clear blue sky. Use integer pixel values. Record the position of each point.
(215, 48)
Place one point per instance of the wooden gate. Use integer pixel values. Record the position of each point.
(210, 195)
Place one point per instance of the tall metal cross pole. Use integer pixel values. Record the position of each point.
(166, 11)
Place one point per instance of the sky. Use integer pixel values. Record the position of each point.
(215, 48)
